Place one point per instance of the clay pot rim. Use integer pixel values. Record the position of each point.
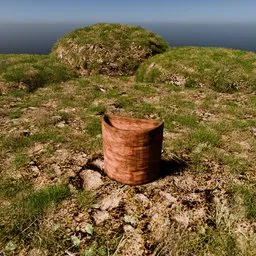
(155, 124)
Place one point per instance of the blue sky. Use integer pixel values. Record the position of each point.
(127, 11)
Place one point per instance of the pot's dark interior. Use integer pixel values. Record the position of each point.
(131, 124)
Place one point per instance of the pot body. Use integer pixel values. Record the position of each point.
(132, 149)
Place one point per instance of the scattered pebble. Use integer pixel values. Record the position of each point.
(61, 124)
(168, 199)
(182, 219)
(56, 169)
(110, 202)
(130, 219)
(35, 171)
(143, 200)
(92, 179)
(98, 163)
(128, 228)
(100, 216)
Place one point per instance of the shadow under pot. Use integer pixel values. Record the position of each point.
(132, 149)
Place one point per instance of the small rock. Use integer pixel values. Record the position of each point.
(143, 200)
(130, 219)
(128, 228)
(61, 124)
(57, 169)
(56, 118)
(92, 179)
(32, 163)
(80, 215)
(68, 230)
(36, 149)
(182, 219)
(96, 206)
(77, 219)
(168, 198)
(35, 170)
(32, 108)
(98, 163)
(69, 253)
(26, 133)
(100, 216)
(110, 202)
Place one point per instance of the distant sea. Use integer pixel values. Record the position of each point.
(39, 38)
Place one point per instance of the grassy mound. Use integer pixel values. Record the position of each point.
(224, 70)
(110, 49)
(33, 71)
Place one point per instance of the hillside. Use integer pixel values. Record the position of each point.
(109, 49)
(51, 149)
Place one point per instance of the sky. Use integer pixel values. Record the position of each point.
(68, 11)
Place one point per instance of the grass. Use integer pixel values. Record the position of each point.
(110, 49)
(18, 143)
(210, 241)
(187, 120)
(217, 238)
(222, 69)
(15, 113)
(212, 132)
(205, 135)
(24, 213)
(33, 71)
(104, 245)
(85, 199)
(10, 188)
(248, 194)
(21, 159)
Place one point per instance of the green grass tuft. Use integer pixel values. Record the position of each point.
(23, 215)
(224, 70)
(249, 198)
(33, 71)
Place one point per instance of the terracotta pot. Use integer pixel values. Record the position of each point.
(132, 149)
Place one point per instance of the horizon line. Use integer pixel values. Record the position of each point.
(126, 22)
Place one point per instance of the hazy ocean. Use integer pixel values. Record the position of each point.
(39, 38)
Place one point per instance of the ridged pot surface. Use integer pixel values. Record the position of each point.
(132, 149)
